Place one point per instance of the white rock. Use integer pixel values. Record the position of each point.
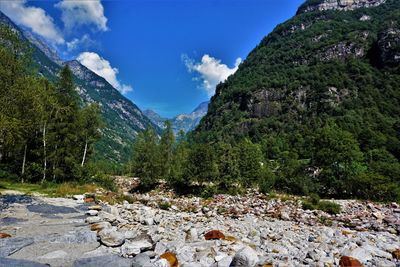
(245, 257)
(93, 219)
(92, 212)
(161, 263)
(361, 254)
(131, 248)
(110, 237)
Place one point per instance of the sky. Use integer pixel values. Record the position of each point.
(164, 55)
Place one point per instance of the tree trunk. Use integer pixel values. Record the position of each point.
(84, 153)
(23, 164)
(44, 153)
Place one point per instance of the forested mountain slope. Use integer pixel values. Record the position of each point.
(123, 119)
(321, 91)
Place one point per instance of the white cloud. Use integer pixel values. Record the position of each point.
(211, 71)
(103, 68)
(78, 12)
(83, 43)
(32, 17)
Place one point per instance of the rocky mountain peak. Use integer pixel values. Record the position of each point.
(343, 5)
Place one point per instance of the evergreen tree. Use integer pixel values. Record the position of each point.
(167, 144)
(250, 162)
(146, 161)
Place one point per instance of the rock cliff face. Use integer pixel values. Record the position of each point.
(338, 65)
(389, 47)
(339, 5)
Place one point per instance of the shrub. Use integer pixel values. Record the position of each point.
(314, 203)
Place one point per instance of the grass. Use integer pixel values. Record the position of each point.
(49, 189)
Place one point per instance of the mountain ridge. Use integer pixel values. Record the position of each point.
(124, 120)
(185, 121)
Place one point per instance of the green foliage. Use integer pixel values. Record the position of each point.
(321, 100)
(314, 203)
(146, 161)
(44, 131)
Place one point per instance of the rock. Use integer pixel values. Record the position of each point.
(108, 217)
(170, 258)
(4, 235)
(142, 260)
(93, 219)
(245, 257)
(192, 235)
(396, 254)
(100, 226)
(95, 207)
(148, 221)
(214, 234)
(54, 255)
(9, 246)
(110, 237)
(346, 261)
(103, 261)
(89, 200)
(361, 254)
(50, 209)
(8, 262)
(132, 248)
(162, 263)
(225, 262)
(79, 198)
(92, 212)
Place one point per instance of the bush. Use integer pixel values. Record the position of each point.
(314, 203)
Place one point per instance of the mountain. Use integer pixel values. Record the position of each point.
(155, 118)
(184, 122)
(188, 122)
(123, 119)
(336, 62)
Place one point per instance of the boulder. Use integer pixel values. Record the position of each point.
(110, 237)
(142, 260)
(245, 257)
(9, 246)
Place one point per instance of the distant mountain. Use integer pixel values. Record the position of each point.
(123, 119)
(185, 122)
(155, 118)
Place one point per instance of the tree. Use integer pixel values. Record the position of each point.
(201, 164)
(65, 139)
(250, 162)
(167, 144)
(338, 155)
(227, 160)
(145, 162)
(90, 124)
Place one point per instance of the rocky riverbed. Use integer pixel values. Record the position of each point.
(162, 230)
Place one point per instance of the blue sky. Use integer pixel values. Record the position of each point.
(164, 55)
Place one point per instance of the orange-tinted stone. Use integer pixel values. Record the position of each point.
(214, 234)
(96, 227)
(396, 254)
(346, 261)
(89, 199)
(346, 233)
(171, 258)
(4, 235)
(230, 238)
